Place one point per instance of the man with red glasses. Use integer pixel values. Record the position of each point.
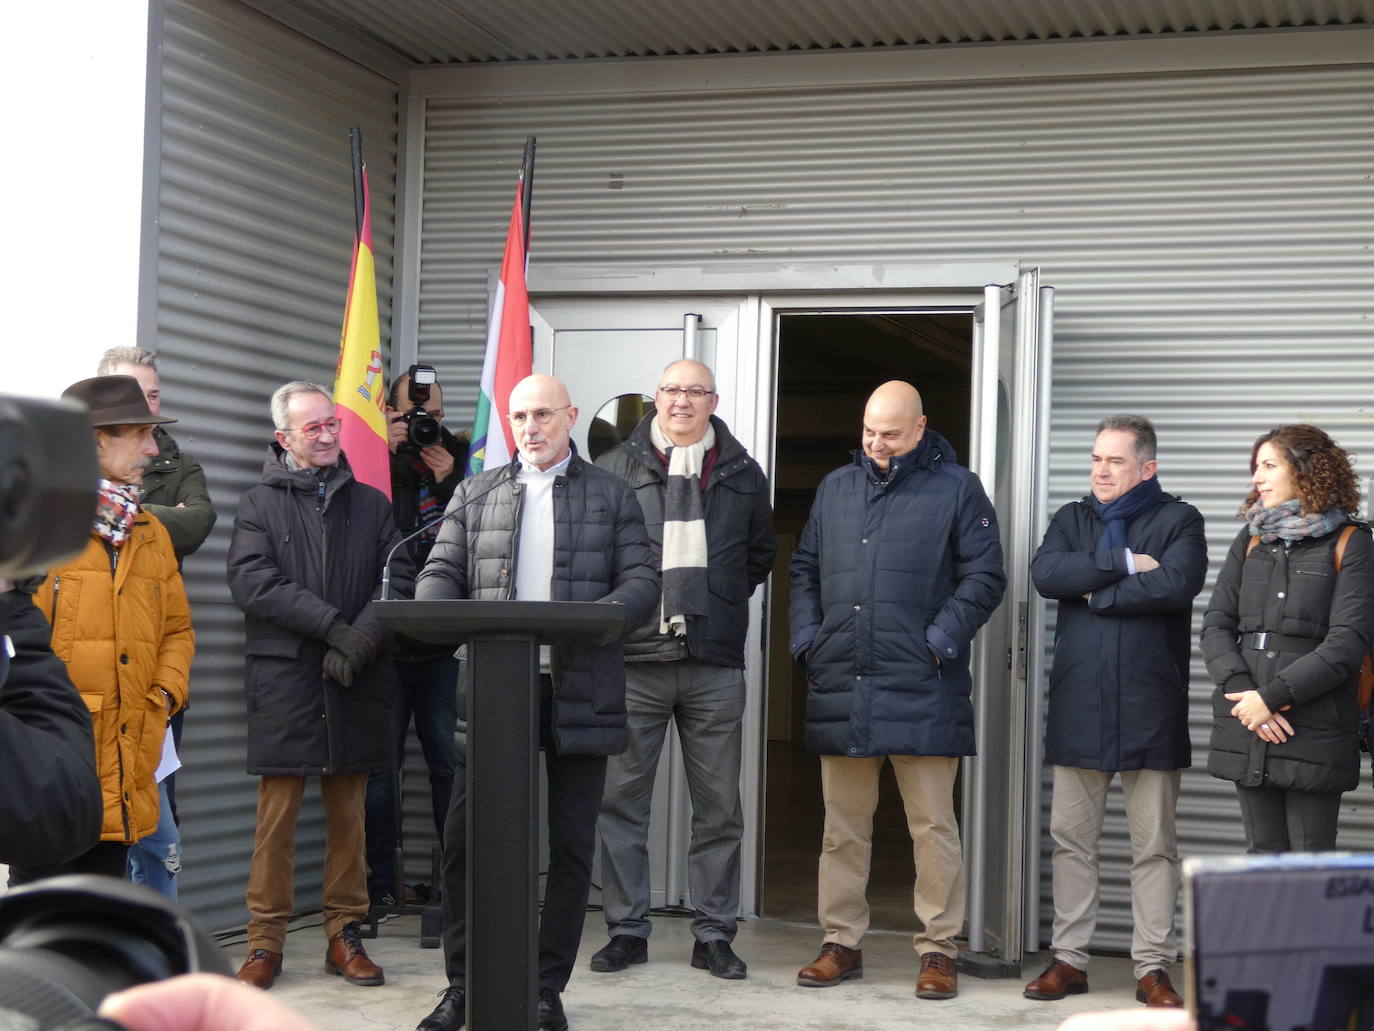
(305, 559)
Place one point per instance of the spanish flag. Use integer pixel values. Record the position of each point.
(359, 386)
(510, 348)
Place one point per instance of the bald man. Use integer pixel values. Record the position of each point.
(898, 567)
(706, 505)
(546, 527)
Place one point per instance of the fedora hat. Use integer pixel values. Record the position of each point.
(114, 401)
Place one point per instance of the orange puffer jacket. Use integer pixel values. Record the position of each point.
(125, 636)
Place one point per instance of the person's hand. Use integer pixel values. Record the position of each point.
(438, 459)
(1149, 1018)
(1144, 563)
(201, 1002)
(1276, 729)
(338, 669)
(356, 646)
(1251, 710)
(396, 428)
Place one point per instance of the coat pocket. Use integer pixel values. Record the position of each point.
(273, 647)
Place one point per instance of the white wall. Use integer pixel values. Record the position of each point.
(75, 80)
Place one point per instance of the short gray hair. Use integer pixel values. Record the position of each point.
(126, 355)
(281, 399)
(1146, 443)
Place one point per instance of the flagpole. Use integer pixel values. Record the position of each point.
(355, 141)
(527, 195)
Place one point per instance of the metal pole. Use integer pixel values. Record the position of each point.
(527, 190)
(355, 142)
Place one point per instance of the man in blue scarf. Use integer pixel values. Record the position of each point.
(1125, 564)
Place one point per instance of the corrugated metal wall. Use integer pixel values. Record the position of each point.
(1210, 235)
(254, 245)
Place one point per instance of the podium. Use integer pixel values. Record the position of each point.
(502, 673)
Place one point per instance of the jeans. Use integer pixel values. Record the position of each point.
(428, 688)
(155, 861)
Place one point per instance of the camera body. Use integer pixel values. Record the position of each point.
(422, 429)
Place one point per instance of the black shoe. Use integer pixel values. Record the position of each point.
(551, 1016)
(623, 950)
(720, 959)
(450, 1014)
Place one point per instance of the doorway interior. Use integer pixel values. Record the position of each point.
(828, 362)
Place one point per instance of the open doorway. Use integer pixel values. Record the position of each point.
(828, 362)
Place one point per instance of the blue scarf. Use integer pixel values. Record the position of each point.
(1118, 514)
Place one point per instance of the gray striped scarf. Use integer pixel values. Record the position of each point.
(684, 531)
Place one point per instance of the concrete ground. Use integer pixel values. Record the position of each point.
(666, 993)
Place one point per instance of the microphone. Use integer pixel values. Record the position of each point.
(386, 566)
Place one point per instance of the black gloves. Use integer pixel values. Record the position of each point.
(349, 651)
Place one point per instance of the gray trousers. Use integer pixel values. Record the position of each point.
(707, 704)
(1076, 813)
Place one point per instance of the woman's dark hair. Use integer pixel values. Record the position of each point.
(1322, 472)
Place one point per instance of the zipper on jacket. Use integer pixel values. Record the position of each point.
(56, 586)
(515, 539)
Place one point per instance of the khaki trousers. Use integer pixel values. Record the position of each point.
(1077, 808)
(850, 789)
(271, 881)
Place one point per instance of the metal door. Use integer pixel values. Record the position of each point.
(1009, 453)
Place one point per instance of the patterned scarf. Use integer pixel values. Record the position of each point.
(427, 510)
(1285, 522)
(1118, 514)
(684, 531)
(115, 509)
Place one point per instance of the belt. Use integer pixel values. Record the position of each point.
(1278, 642)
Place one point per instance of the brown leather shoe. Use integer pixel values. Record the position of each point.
(260, 969)
(1154, 989)
(938, 979)
(1058, 980)
(346, 956)
(836, 963)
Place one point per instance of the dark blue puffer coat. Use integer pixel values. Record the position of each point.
(1119, 683)
(889, 574)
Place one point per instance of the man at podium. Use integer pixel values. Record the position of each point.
(549, 526)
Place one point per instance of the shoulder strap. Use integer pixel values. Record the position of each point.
(1254, 541)
(1341, 542)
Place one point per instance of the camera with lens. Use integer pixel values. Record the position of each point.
(422, 429)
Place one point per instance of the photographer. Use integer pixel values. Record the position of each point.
(422, 482)
(50, 806)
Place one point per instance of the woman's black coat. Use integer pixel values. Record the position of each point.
(1297, 593)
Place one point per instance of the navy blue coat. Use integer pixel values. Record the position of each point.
(1119, 683)
(890, 574)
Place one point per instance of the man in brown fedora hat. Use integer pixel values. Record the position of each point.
(121, 624)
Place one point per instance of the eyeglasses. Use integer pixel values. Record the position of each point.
(541, 416)
(312, 431)
(691, 393)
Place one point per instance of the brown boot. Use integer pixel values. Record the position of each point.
(260, 969)
(346, 956)
(836, 963)
(938, 979)
(1154, 989)
(1058, 980)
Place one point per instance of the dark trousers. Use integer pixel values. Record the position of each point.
(575, 785)
(109, 858)
(1284, 820)
(426, 689)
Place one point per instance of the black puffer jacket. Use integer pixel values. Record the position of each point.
(600, 553)
(1119, 684)
(51, 806)
(888, 575)
(305, 552)
(739, 544)
(1325, 619)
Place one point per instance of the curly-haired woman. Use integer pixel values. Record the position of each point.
(1283, 638)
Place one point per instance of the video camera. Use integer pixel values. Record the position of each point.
(422, 428)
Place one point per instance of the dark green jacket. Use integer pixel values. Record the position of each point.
(173, 479)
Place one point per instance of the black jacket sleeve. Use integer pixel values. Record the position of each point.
(50, 799)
